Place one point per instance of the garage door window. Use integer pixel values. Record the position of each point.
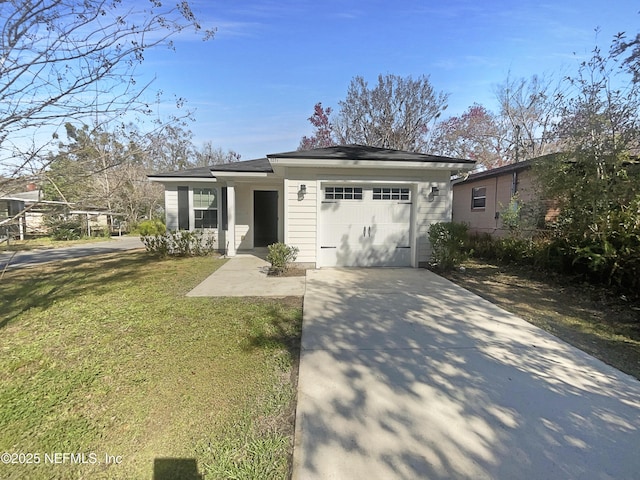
(343, 193)
(391, 194)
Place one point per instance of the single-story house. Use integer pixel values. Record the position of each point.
(19, 215)
(340, 206)
(479, 199)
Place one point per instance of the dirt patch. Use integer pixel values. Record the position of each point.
(289, 272)
(588, 317)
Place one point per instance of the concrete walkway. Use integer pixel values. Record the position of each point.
(35, 257)
(404, 375)
(245, 275)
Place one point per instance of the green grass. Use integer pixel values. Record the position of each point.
(108, 356)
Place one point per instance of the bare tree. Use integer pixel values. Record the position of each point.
(210, 155)
(107, 169)
(528, 110)
(63, 60)
(396, 113)
(477, 134)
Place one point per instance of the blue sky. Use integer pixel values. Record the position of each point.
(255, 84)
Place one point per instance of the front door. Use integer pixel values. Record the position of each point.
(265, 217)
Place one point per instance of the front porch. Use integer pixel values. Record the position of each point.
(253, 217)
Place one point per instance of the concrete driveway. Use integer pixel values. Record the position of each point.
(406, 375)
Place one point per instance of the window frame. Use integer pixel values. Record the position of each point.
(475, 198)
(342, 192)
(202, 220)
(399, 194)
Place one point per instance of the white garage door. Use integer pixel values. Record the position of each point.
(365, 226)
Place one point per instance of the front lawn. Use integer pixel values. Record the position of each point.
(107, 358)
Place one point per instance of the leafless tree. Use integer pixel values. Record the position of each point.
(396, 113)
(528, 111)
(210, 155)
(64, 60)
(477, 134)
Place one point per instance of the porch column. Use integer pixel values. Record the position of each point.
(231, 219)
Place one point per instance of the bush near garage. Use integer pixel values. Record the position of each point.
(448, 245)
(280, 256)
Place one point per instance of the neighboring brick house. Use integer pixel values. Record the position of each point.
(480, 198)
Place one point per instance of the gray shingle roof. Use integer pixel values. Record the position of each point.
(362, 152)
(198, 172)
(257, 165)
(494, 172)
(342, 152)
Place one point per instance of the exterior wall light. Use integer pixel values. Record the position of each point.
(301, 192)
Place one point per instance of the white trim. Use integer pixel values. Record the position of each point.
(230, 237)
(413, 186)
(182, 179)
(349, 179)
(285, 210)
(218, 173)
(319, 199)
(413, 235)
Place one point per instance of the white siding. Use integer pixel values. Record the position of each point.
(431, 210)
(171, 206)
(301, 215)
(244, 212)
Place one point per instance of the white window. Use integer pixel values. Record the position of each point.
(391, 193)
(205, 206)
(343, 193)
(478, 198)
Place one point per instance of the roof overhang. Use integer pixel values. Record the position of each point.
(225, 174)
(181, 179)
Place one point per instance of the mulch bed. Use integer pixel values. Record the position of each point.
(289, 272)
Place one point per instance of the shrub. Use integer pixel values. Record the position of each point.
(448, 244)
(65, 228)
(151, 227)
(611, 250)
(481, 245)
(280, 256)
(180, 243)
(543, 251)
